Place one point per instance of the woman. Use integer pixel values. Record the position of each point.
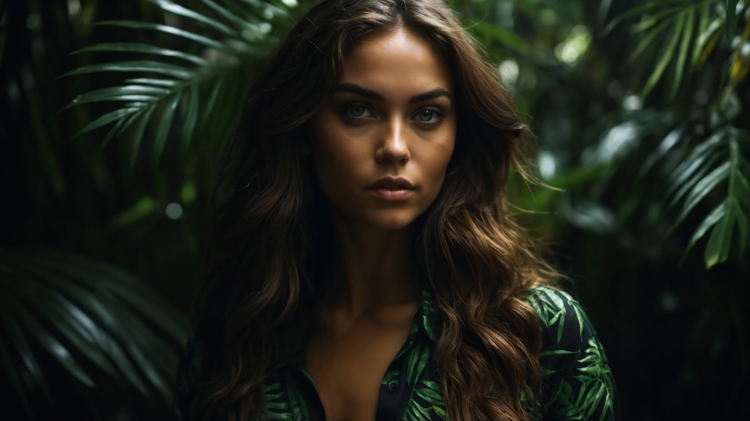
(364, 265)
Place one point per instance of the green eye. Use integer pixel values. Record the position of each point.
(426, 115)
(357, 111)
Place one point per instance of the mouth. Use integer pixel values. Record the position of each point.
(392, 183)
(392, 189)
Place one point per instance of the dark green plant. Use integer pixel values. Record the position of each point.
(77, 309)
(689, 35)
(203, 91)
(83, 313)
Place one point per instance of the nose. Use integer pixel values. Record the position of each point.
(393, 147)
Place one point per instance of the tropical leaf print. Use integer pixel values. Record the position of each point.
(284, 401)
(597, 386)
(584, 388)
(550, 307)
(426, 401)
(278, 408)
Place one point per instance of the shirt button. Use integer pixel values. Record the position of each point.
(392, 385)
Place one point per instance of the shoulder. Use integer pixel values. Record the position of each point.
(577, 382)
(560, 316)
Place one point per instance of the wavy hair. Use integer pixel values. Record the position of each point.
(266, 270)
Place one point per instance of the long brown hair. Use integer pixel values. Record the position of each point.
(271, 243)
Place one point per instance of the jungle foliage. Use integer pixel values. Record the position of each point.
(114, 116)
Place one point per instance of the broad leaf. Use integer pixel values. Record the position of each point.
(77, 309)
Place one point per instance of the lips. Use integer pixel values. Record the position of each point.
(392, 183)
(392, 189)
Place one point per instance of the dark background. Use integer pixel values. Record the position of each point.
(617, 132)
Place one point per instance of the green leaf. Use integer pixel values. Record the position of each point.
(166, 83)
(666, 57)
(715, 216)
(719, 242)
(129, 289)
(12, 371)
(666, 15)
(172, 70)
(231, 17)
(731, 7)
(106, 119)
(637, 11)
(440, 412)
(112, 132)
(27, 356)
(209, 108)
(556, 352)
(705, 186)
(580, 315)
(90, 314)
(190, 14)
(120, 93)
(205, 41)
(689, 176)
(411, 374)
(110, 346)
(138, 135)
(432, 385)
(647, 40)
(120, 127)
(191, 118)
(67, 319)
(705, 35)
(142, 49)
(53, 346)
(687, 36)
(165, 123)
(429, 395)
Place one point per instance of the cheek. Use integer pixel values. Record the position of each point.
(435, 160)
(336, 157)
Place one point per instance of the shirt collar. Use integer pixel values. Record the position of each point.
(422, 322)
(426, 312)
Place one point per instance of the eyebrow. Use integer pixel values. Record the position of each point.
(431, 94)
(369, 93)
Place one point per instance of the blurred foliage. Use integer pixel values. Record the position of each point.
(640, 108)
(69, 304)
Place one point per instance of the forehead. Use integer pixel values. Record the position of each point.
(398, 61)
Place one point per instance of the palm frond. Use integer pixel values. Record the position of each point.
(716, 163)
(696, 29)
(76, 309)
(199, 93)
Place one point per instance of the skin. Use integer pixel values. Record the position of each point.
(391, 115)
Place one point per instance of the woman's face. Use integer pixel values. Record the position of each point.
(384, 138)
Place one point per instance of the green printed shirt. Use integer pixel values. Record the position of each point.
(577, 383)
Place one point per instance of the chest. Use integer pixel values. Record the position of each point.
(348, 368)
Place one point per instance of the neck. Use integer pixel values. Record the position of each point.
(377, 267)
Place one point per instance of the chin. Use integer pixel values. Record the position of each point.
(391, 221)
